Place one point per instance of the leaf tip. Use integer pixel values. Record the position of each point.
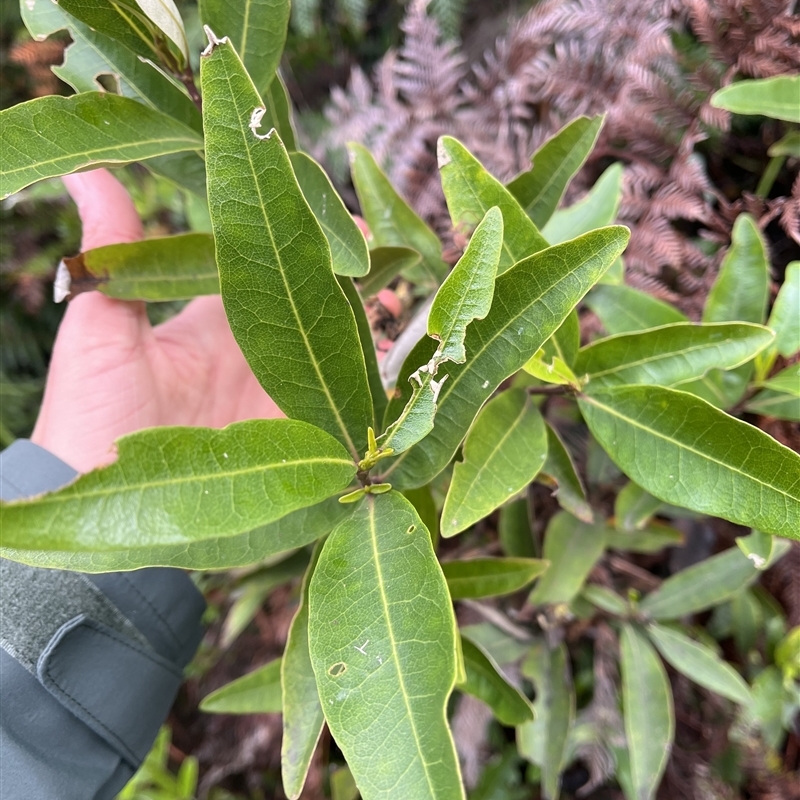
(213, 40)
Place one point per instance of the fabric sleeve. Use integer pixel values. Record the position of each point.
(89, 664)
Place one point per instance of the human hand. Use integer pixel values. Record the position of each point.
(112, 373)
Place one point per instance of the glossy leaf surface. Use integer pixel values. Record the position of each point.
(466, 294)
(772, 97)
(504, 450)
(302, 711)
(391, 220)
(258, 692)
(708, 462)
(531, 301)
(257, 29)
(167, 18)
(367, 642)
(648, 711)
(572, 548)
(623, 309)
(348, 246)
(175, 486)
(486, 681)
(471, 191)
(490, 577)
(169, 268)
(555, 163)
(559, 471)
(52, 136)
(669, 355)
(288, 314)
(699, 663)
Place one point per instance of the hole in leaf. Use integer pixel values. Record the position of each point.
(411, 528)
(338, 669)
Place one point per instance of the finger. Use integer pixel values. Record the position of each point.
(106, 210)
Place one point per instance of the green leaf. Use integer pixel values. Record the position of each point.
(596, 210)
(302, 711)
(425, 505)
(634, 507)
(560, 470)
(758, 547)
(502, 647)
(504, 450)
(167, 18)
(278, 112)
(53, 136)
(391, 220)
(789, 145)
(606, 599)
(214, 553)
(771, 97)
(287, 312)
(531, 301)
(386, 713)
(466, 294)
(623, 309)
(176, 486)
(669, 355)
(258, 692)
(784, 319)
(703, 585)
(343, 785)
(121, 20)
(555, 164)
(471, 191)
(648, 711)
(544, 741)
(572, 548)
(486, 682)
(490, 577)
(386, 263)
(780, 397)
(379, 397)
(167, 268)
(348, 246)
(514, 530)
(706, 460)
(257, 29)
(551, 369)
(651, 539)
(699, 663)
(566, 341)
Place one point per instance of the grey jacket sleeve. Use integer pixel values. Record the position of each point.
(89, 664)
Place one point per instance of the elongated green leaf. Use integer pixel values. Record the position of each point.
(415, 421)
(122, 20)
(572, 548)
(92, 54)
(348, 245)
(669, 355)
(174, 486)
(699, 663)
(777, 97)
(257, 29)
(471, 191)
(566, 341)
(54, 135)
(490, 577)
(648, 711)
(167, 18)
(514, 530)
(623, 309)
(780, 396)
(486, 682)
(168, 268)
(391, 220)
(559, 472)
(386, 263)
(379, 398)
(784, 318)
(707, 461)
(531, 301)
(504, 450)
(466, 294)
(597, 209)
(258, 692)
(386, 713)
(502, 647)
(650, 539)
(704, 585)
(288, 314)
(302, 711)
(555, 164)
(296, 529)
(278, 112)
(606, 599)
(634, 507)
(544, 741)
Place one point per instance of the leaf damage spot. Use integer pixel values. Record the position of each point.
(411, 528)
(73, 277)
(255, 123)
(338, 669)
(361, 649)
(758, 561)
(213, 41)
